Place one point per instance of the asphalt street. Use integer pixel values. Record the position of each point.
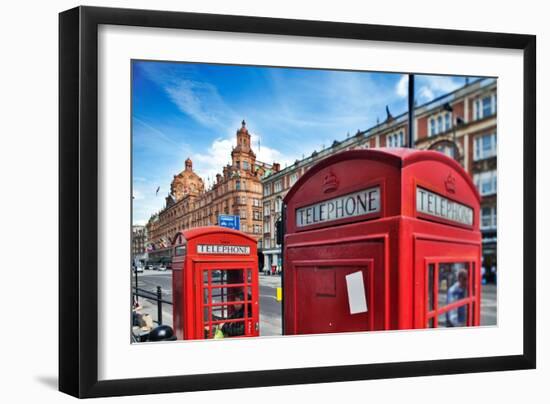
(270, 308)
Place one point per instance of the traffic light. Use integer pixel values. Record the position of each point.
(279, 231)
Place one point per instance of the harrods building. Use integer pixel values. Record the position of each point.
(237, 190)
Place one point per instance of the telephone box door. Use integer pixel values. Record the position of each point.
(228, 297)
(328, 294)
(448, 284)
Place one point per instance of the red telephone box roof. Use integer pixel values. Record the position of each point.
(400, 157)
(202, 231)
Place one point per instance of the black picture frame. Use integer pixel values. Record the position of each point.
(78, 200)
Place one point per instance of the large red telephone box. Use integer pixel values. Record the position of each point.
(214, 284)
(381, 239)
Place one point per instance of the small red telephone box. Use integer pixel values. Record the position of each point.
(215, 284)
(382, 239)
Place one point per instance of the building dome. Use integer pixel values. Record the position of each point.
(186, 182)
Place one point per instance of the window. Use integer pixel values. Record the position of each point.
(485, 106)
(267, 227)
(267, 209)
(488, 217)
(267, 189)
(485, 146)
(246, 165)
(396, 139)
(486, 182)
(450, 300)
(257, 215)
(238, 185)
(243, 227)
(446, 149)
(242, 213)
(293, 178)
(278, 186)
(267, 243)
(440, 124)
(448, 121)
(257, 229)
(278, 205)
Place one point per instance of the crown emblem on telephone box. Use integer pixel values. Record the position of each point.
(450, 185)
(330, 183)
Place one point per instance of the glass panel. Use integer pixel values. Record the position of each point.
(453, 286)
(454, 318)
(233, 329)
(431, 269)
(453, 283)
(230, 300)
(430, 323)
(486, 106)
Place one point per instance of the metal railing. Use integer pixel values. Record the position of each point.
(154, 297)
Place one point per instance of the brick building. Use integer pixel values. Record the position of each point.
(139, 239)
(236, 191)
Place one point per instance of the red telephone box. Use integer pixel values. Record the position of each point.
(215, 284)
(382, 239)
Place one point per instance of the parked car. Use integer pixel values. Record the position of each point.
(162, 267)
(150, 267)
(138, 268)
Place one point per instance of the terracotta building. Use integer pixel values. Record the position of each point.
(236, 191)
(462, 124)
(139, 238)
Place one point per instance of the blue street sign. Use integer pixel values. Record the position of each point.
(229, 221)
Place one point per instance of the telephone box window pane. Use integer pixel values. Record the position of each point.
(430, 323)
(431, 269)
(233, 329)
(454, 318)
(453, 283)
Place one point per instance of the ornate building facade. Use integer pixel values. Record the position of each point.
(236, 191)
(139, 239)
(461, 124)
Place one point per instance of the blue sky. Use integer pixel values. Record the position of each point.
(182, 110)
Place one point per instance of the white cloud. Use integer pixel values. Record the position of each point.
(201, 101)
(430, 87)
(218, 154)
(267, 154)
(425, 94)
(402, 87)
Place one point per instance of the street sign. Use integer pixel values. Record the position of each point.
(229, 221)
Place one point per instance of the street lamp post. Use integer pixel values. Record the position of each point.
(411, 112)
(448, 107)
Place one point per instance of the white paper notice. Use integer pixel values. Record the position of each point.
(356, 293)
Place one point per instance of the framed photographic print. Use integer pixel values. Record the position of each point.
(270, 202)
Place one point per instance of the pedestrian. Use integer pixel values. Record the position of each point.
(457, 317)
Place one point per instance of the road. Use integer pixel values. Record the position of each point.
(270, 308)
(489, 304)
